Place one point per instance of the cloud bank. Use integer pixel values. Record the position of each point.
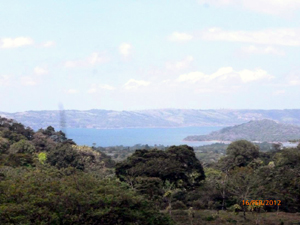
(15, 42)
(284, 36)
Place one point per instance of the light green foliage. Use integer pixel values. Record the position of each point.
(93, 160)
(236, 208)
(212, 173)
(271, 164)
(42, 157)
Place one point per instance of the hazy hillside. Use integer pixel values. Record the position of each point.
(150, 118)
(260, 130)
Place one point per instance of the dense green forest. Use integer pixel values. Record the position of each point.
(207, 154)
(45, 178)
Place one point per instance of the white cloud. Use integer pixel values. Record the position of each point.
(23, 41)
(133, 84)
(71, 91)
(35, 78)
(40, 71)
(258, 74)
(192, 77)
(262, 6)
(92, 90)
(15, 42)
(94, 59)
(4, 80)
(283, 36)
(125, 49)
(95, 88)
(225, 74)
(107, 87)
(48, 44)
(181, 64)
(176, 36)
(28, 81)
(252, 49)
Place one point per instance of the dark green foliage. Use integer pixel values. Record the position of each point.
(239, 153)
(42, 143)
(150, 186)
(193, 171)
(243, 148)
(48, 131)
(209, 218)
(19, 159)
(64, 156)
(54, 197)
(56, 136)
(11, 136)
(178, 165)
(281, 179)
(4, 145)
(46, 179)
(246, 174)
(179, 205)
(14, 131)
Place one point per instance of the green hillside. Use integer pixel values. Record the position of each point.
(259, 130)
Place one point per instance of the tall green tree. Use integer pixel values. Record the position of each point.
(178, 165)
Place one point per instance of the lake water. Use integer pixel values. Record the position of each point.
(132, 136)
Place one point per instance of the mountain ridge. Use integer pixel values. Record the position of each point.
(155, 118)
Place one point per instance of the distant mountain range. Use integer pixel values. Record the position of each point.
(259, 130)
(106, 119)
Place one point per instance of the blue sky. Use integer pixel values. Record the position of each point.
(133, 55)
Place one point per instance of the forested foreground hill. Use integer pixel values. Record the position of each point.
(45, 178)
(260, 130)
(150, 118)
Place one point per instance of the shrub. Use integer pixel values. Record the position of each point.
(4, 145)
(21, 146)
(179, 205)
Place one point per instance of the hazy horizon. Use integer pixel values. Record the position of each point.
(145, 109)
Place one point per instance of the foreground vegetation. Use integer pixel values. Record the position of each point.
(46, 178)
(213, 217)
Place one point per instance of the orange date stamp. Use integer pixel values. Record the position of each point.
(262, 202)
